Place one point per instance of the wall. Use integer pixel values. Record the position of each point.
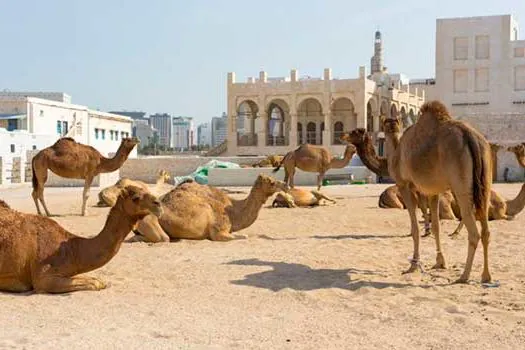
(104, 121)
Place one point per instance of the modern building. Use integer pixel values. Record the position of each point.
(281, 113)
(145, 133)
(182, 134)
(219, 129)
(163, 124)
(204, 134)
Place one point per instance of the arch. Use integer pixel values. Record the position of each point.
(247, 112)
(277, 113)
(343, 111)
(369, 118)
(338, 132)
(300, 133)
(411, 115)
(311, 133)
(404, 118)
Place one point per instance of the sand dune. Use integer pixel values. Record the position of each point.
(321, 278)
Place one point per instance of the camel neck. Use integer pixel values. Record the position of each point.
(92, 253)
(370, 159)
(392, 143)
(108, 165)
(516, 205)
(337, 163)
(247, 210)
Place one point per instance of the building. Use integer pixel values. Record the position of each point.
(219, 129)
(281, 113)
(182, 134)
(145, 133)
(163, 124)
(480, 76)
(135, 115)
(204, 134)
(53, 96)
(30, 123)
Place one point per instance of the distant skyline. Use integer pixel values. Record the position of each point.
(173, 56)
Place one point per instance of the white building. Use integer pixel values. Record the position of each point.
(53, 96)
(182, 133)
(204, 134)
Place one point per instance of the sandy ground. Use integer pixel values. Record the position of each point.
(321, 278)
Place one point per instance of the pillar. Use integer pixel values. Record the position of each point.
(327, 133)
(261, 135)
(292, 138)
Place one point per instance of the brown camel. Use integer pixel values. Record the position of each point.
(37, 253)
(73, 160)
(313, 159)
(366, 151)
(193, 211)
(298, 197)
(108, 196)
(519, 152)
(270, 161)
(437, 154)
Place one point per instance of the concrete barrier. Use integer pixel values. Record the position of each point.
(247, 176)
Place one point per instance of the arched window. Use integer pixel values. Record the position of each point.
(338, 132)
(310, 133)
(300, 133)
(321, 133)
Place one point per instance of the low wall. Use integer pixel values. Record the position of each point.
(247, 176)
(146, 168)
(101, 180)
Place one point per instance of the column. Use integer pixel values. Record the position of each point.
(327, 133)
(292, 137)
(261, 135)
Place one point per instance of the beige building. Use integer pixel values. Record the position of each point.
(281, 113)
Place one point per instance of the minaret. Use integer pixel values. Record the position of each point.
(376, 62)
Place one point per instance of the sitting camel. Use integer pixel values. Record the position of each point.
(437, 154)
(108, 196)
(270, 161)
(73, 160)
(194, 211)
(519, 152)
(298, 197)
(36, 253)
(313, 159)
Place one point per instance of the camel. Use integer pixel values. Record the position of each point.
(36, 253)
(519, 152)
(193, 211)
(270, 161)
(297, 197)
(108, 196)
(73, 160)
(437, 154)
(366, 151)
(313, 159)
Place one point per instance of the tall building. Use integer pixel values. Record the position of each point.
(162, 123)
(219, 129)
(182, 135)
(376, 62)
(204, 134)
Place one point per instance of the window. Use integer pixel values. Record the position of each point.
(96, 134)
(41, 113)
(482, 47)
(103, 132)
(116, 135)
(12, 124)
(482, 79)
(111, 135)
(122, 134)
(34, 147)
(460, 80)
(461, 48)
(12, 148)
(515, 30)
(59, 127)
(519, 78)
(519, 52)
(64, 128)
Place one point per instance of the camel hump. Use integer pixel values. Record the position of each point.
(435, 108)
(4, 205)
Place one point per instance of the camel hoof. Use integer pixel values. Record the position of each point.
(414, 266)
(440, 262)
(461, 280)
(486, 278)
(427, 233)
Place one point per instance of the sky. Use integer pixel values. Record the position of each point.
(173, 56)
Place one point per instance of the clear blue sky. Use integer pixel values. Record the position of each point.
(173, 56)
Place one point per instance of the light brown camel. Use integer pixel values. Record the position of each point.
(73, 160)
(434, 155)
(298, 197)
(313, 159)
(519, 152)
(193, 211)
(270, 161)
(108, 196)
(38, 254)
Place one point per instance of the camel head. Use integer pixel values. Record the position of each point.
(519, 149)
(164, 175)
(269, 185)
(392, 125)
(356, 136)
(350, 150)
(128, 143)
(137, 202)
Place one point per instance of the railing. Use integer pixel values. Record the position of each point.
(276, 140)
(246, 139)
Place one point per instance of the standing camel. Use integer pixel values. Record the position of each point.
(315, 159)
(519, 152)
(73, 160)
(434, 155)
(36, 253)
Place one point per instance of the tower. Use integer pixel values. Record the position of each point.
(376, 62)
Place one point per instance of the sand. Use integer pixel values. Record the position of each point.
(321, 278)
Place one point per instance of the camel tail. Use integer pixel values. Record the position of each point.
(276, 169)
(34, 180)
(481, 175)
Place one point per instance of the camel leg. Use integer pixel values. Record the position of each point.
(57, 284)
(485, 240)
(10, 283)
(411, 203)
(225, 236)
(38, 193)
(434, 214)
(291, 175)
(320, 196)
(423, 202)
(458, 229)
(85, 194)
(320, 181)
(151, 231)
(467, 215)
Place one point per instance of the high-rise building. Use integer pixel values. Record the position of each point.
(219, 129)
(182, 135)
(162, 123)
(204, 134)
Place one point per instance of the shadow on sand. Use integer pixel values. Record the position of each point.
(335, 237)
(303, 278)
